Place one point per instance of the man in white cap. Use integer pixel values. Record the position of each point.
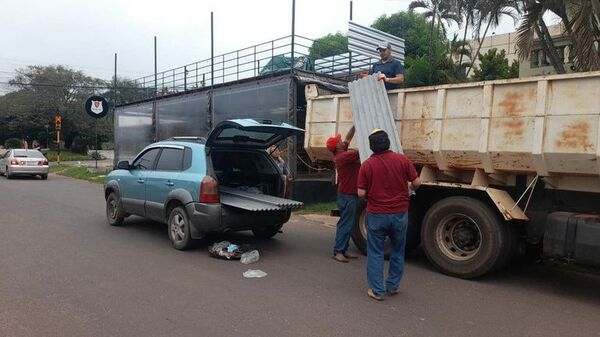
(391, 70)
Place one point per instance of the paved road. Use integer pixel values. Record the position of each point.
(65, 272)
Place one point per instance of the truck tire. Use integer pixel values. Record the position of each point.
(465, 238)
(114, 210)
(413, 231)
(266, 232)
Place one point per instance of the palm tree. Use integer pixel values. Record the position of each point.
(492, 11)
(440, 10)
(581, 21)
(468, 9)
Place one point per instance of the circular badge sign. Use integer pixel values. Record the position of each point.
(96, 106)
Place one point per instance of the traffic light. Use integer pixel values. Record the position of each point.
(58, 122)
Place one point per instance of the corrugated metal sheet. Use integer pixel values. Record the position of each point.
(255, 202)
(364, 40)
(371, 110)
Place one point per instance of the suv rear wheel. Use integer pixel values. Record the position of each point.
(179, 229)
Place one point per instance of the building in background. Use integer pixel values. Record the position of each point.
(537, 64)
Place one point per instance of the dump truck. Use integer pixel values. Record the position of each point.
(506, 166)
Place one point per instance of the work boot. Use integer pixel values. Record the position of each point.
(372, 295)
(339, 257)
(350, 256)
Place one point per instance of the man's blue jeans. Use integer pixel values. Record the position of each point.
(347, 205)
(379, 226)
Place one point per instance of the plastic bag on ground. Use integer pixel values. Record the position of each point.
(254, 273)
(225, 250)
(250, 257)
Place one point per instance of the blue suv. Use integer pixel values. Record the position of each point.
(227, 183)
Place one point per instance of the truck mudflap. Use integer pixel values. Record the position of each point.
(502, 200)
(255, 202)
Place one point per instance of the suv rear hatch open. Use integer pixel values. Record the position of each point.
(248, 178)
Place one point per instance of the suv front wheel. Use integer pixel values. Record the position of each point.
(114, 212)
(179, 229)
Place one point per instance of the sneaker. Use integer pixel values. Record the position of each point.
(339, 257)
(393, 292)
(372, 295)
(350, 256)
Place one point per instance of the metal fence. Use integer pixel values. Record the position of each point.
(262, 59)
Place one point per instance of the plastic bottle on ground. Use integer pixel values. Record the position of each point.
(250, 257)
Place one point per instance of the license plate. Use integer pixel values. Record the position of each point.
(31, 163)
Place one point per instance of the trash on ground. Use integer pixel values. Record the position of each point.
(250, 257)
(254, 273)
(225, 250)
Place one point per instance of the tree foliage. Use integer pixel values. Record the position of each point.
(413, 28)
(328, 45)
(41, 92)
(494, 66)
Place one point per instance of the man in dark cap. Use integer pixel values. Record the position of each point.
(390, 70)
(347, 164)
(383, 180)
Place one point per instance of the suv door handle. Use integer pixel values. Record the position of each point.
(169, 183)
(141, 181)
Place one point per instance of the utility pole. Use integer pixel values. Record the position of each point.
(349, 52)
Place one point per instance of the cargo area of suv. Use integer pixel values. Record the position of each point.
(247, 170)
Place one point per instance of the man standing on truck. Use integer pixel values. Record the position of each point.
(383, 180)
(390, 70)
(347, 163)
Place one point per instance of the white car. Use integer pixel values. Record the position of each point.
(24, 162)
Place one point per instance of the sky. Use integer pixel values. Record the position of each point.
(85, 34)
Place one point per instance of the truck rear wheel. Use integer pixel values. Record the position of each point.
(413, 232)
(464, 237)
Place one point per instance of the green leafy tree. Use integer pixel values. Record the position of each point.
(494, 66)
(328, 45)
(41, 92)
(13, 143)
(413, 28)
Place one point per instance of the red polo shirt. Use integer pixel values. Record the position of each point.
(385, 177)
(347, 164)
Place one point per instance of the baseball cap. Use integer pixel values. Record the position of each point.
(332, 142)
(384, 45)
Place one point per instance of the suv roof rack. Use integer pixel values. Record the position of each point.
(200, 140)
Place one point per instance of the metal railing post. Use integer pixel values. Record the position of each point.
(185, 78)
(293, 31)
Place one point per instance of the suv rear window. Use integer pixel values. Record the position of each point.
(170, 160)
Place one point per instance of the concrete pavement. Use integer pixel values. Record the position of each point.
(65, 272)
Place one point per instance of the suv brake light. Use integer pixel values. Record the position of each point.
(209, 190)
(288, 187)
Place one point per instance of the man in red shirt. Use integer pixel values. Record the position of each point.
(347, 163)
(383, 180)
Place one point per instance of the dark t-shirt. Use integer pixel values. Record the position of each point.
(347, 164)
(390, 69)
(385, 177)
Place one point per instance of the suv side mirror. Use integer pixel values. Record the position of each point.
(123, 165)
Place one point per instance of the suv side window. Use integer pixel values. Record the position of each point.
(187, 158)
(170, 160)
(146, 161)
